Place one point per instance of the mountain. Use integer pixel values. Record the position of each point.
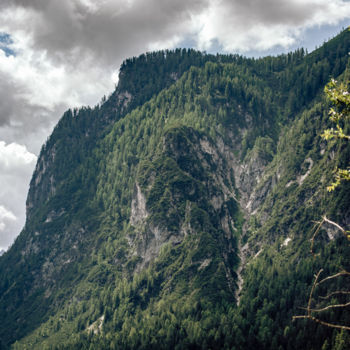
(178, 213)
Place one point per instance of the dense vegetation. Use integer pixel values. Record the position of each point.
(96, 268)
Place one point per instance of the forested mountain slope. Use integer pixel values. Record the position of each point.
(178, 213)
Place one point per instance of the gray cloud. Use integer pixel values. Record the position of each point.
(16, 165)
(7, 105)
(14, 106)
(273, 12)
(70, 29)
(22, 120)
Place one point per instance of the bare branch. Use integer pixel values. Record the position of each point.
(322, 322)
(320, 223)
(341, 273)
(334, 224)
(312, 291)
(335, 293)
(318, 228)
(330, 307)
(309, 310)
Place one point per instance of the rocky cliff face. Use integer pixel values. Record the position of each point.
(196, 172)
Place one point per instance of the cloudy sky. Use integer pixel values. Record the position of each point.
(57, 54)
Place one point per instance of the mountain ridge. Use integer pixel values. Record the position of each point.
(148, 215)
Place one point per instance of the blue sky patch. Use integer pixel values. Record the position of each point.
(5, 42)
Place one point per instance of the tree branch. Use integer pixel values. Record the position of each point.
(314, 236)
(309, 310)
(312, 291)
(336, 225)
(341, 273)
(319, 226)
(334, 293)
(329, 307)
(322, 322)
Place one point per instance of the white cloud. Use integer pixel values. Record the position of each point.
(242, 26)
(5, 215)
(16, 167)
(15, 155)
(8, 223)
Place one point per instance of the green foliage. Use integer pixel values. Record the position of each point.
(340, 115)
(83, 275)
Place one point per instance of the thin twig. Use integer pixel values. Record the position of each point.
(312, 291)
(330, 307)
(322, 322)
(341, 273)
(335, 224)
(320, 223)
(309, 310)
(335, 293)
